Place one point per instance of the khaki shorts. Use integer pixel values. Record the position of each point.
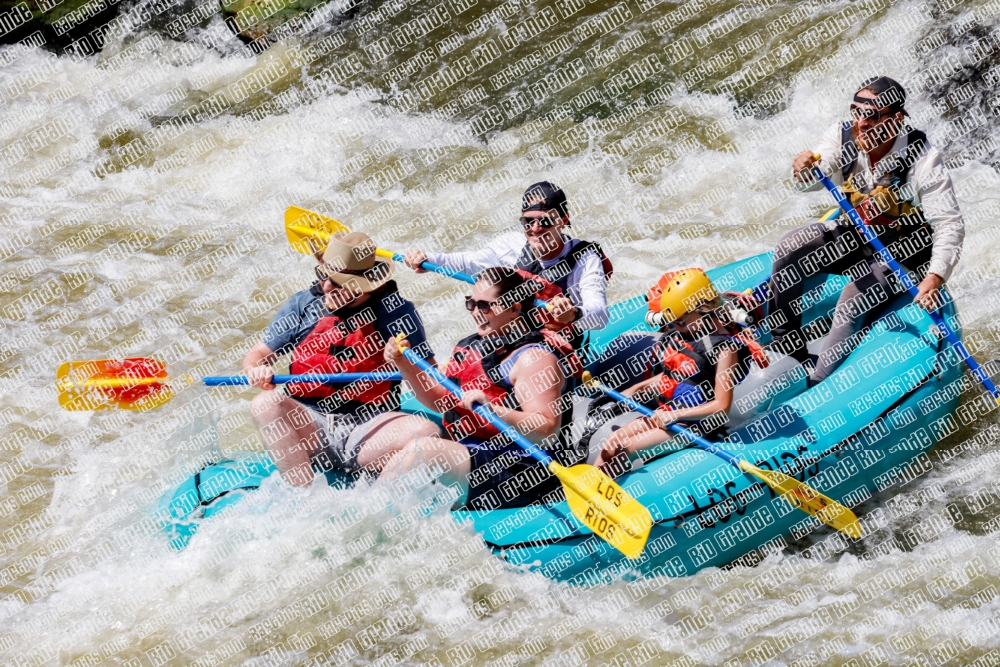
(340, 439)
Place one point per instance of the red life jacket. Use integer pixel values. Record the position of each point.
(757, 351)
(689, 362)
(336, 345)
(474, 364)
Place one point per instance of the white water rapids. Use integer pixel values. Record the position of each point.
(174, 248)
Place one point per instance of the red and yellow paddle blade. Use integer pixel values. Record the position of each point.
(106, 384)
(605, 507)
(808, 499)
(309, 232)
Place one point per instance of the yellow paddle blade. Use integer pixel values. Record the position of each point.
(309, 232)
(807, 499)
(829, 214)
(605, 508)
(106, 384)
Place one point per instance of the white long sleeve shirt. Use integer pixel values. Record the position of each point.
(933, 192)
(586, 286)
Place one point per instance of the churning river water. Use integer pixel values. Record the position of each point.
(142, 192)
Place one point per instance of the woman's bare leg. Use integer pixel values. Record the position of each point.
(451, 456)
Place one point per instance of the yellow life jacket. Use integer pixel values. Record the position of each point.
(888, 201)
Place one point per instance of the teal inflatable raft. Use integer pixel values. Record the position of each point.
(856, 433)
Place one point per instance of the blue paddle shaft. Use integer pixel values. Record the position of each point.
(452, 273)
(904, 278)
(443, 270)
(481, 410)
(319, 378)
(701, 442)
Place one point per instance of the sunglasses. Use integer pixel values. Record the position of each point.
(324, 277)
(374, 273)
(471, 304)
(545, 222)
(859, 112)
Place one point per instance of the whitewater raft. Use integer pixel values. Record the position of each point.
(858, 432)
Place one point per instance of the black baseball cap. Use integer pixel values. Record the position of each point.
(889, 93)
(544, 196)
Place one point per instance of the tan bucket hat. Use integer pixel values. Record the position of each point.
(350, 260)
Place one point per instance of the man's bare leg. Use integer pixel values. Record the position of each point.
(289, 433)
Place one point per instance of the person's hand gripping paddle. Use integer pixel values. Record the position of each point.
(594, 498)
(797, 494)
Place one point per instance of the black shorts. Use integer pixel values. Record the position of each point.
(503, 475)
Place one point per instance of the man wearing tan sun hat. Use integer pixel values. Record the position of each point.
(339, 325)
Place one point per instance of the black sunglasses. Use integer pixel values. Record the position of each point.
(471, 304)
(323, 277)
(545, 222)
(859, 112)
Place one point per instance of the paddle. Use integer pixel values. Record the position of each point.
(319, 378)
(596, 500)
(309, 232)
(141, 383)
(105, 384)
(904, 278)
(793, 491)
(832, 214)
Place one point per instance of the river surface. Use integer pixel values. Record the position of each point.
(142, 194)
